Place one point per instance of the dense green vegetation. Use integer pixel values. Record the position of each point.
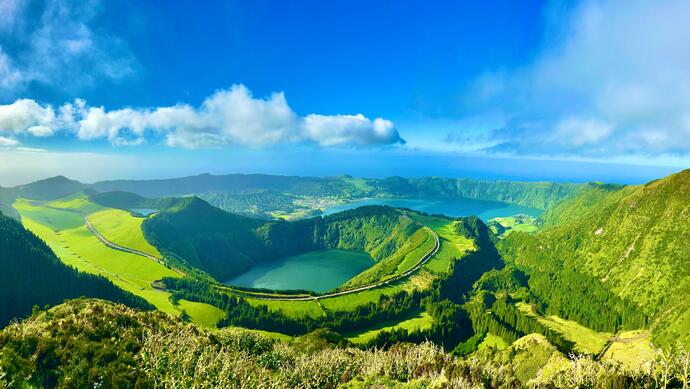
(261, 203)
(87, 343)
(622, 253)
(31, 274)
(224, 244)
(49, 189)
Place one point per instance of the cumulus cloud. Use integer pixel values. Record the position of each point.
(57, 43)
(27, 116)
(354, 130)
(612, 79)
(232, 116)
(5, 141)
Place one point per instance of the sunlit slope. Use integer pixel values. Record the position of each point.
(122, 228)
(634, 241)
(31, 275)
(75, 245)
(67, 235)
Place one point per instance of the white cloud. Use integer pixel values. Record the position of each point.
(230, 116)
(5, 142)
(350, 130)
(27, 116)
(612, 79)
(56, 43)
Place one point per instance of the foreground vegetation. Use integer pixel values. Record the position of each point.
(89, 343)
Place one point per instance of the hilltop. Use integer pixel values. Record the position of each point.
(224, 244)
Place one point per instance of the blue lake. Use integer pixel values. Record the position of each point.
(454, 207)
(319, 271)
(146, 212)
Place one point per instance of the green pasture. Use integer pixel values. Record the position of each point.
(586, 340)
(453, 245)
(200, 313)
(493, 341)
(67, 235)
(632, 349)
(121, 228)
(418, 321)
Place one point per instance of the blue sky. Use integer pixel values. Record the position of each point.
(104, 89)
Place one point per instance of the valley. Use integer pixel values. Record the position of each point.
(377, 272)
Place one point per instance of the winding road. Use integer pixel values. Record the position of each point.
(116, 246)
(277, 297)
(302, 297)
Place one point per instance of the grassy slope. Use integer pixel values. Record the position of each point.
(633, 349)
(122, 228)
(514, 224)
(453, 245)
(202, 314)
(418, 321)
(492, 341)
(66, 234)
(420, 243)
(633, 239)
(586, 340)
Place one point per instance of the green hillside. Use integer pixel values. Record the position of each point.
(226, 191)
(49, 188)
(7, 197)
(225, 244)
(31, 274)
(622, 250)
(262, 203)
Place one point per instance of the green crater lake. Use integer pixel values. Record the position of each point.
(319, 271)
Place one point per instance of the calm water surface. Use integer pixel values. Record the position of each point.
(144, 211)
(319, 271)
(322, 271)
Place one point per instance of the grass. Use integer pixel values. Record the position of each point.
(586, 340)
(633, 350)
(77, 202)
(54, 219)
(202, 314)
(453, 245)
(67, 235)
(418, 321)
(403, 259)
(493, 341)
(122, 228)
(349, 302)
(519, 224)
(295, 309)
(269, 334)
